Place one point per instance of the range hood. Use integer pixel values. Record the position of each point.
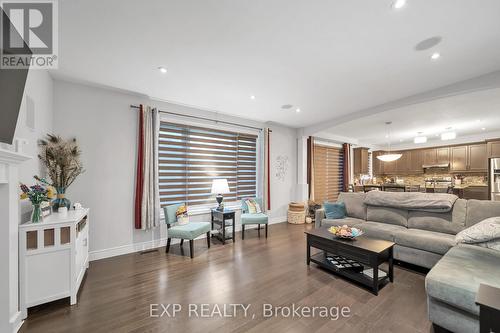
(436, 166)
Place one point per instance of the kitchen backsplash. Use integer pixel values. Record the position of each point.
(469, 179)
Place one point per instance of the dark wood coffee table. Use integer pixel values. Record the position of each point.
(367, 251)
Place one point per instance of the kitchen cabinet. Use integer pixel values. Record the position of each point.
(476, 192)
(360, 161)
(458, 159)
(478, 158)
(402, 167)
(443, 155)
(415, 161)
(434, 156)
(469, 158)
(494, 149)
(378, 165)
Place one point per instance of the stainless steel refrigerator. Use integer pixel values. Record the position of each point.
(494, 177)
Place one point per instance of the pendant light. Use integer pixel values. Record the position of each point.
(389, 157)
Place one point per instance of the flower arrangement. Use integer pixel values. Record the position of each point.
(37, 194)
(62, 160)
(345, 231)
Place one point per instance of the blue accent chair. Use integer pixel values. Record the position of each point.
(247, 218)
(187, 231)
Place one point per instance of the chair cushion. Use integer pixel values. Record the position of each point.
(354, 204)
(334, 210)
(456, 277)
(450, 222)
(387, 215)
(259, 218)
(189, 231)
(431, 241)
(380, 230)
(349, 221)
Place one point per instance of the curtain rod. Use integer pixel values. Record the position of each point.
(201, 118)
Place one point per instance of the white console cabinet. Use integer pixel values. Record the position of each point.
(53, 258)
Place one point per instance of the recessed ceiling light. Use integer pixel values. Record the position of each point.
(420, 139)
(162, 69)
(437, 135)
(435, 56)
(297, 110)
(398, 4)
(448, 136)
(252, 97)
(484, 128)
(478, 120)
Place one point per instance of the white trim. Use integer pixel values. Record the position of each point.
(138, 247)
(16, 322)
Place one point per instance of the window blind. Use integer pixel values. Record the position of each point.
(191, 157)
(328, 172)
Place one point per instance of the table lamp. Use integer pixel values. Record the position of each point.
(220, 187)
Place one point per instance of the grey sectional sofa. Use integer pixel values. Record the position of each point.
(428, 240)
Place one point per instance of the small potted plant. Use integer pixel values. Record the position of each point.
(37, 194)
(62, 159)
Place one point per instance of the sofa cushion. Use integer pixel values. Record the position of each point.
(451, 222)
(456, 277)
(354, 204)
(478, 210)
(431, 241)
(349, 221)
(380, 230)
(387, 215)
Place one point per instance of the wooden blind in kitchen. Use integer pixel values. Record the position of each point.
(328, 173)
(191, 157)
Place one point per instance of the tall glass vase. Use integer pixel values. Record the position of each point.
(61, 200)
(36, 214)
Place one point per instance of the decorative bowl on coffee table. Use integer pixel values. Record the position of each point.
(345, 232)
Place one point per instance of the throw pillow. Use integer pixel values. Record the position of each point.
(485, 231)
(334, 210)
(252, 208)
(182, 215)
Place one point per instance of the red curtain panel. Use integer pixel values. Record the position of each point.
(140, 170)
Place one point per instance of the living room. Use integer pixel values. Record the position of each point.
(250, 166)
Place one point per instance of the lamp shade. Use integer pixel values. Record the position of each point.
(220, 186)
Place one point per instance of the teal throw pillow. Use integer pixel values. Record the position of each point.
(334, 210)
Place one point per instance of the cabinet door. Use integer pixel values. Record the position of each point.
(390, 167)
(378, 169)
(430, 156)
(402, 167)
(443, 155)
(476, 192)
(416, 161)
(478, 158)
(494, 149)
(458, 158)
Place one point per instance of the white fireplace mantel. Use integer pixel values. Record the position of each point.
(10, 316)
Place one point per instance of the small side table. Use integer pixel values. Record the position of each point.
(220, 217)
(488, 299)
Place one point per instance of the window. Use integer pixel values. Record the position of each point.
(191, 157)
(328, 172)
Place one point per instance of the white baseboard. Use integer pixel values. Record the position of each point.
(137, 247)
(16, 322)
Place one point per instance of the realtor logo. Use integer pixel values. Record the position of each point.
(28, 34)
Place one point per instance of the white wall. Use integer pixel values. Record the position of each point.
(106, 129)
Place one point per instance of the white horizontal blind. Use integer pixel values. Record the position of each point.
(191, 157)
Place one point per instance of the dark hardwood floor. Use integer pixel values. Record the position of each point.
(117, 292)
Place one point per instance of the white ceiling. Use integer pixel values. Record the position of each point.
(327, 57)
(466, 114)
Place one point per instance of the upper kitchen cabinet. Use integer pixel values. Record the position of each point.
(470, 158)
(402, 166)
(478, 158)
(443, 155)
(494, 149)
(415, 161)
(360, 161)
(436, 156)
(378, 165)
(458, 159)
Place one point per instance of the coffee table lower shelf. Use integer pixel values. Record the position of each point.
(360, 277)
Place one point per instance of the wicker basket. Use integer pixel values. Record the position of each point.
(296, 217)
